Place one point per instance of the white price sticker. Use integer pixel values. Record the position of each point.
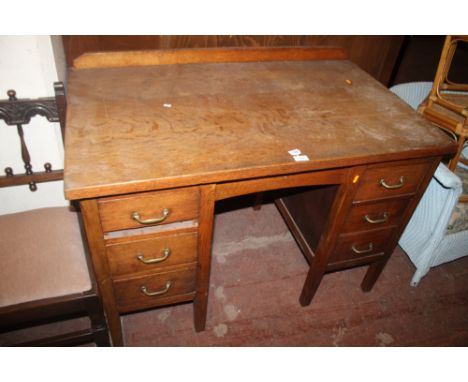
(301, 158)
(294, 152)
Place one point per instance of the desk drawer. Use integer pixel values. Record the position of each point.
(151, 253)
(389, 181)
(360, 246)
(154, 290)
(367, 216)
(147, 209)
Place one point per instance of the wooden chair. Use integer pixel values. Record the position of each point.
(45, 275)
(447, 104)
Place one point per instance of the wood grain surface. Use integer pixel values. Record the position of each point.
(123, 254)
(381, 214)
(402, 178)
(116, 213)
(146, 128)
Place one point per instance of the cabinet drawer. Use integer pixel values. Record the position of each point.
(154, 290)
(147, 209)
(389, 181)
(151, 253)
(364, 217)
(360, 246)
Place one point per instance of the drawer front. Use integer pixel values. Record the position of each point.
(389, 181)
(146, 254)
(147, 209)
(154, 290)
(364, 217)
(360, 246)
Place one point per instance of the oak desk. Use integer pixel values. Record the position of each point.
(154, 139)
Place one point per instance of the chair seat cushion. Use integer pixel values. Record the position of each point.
(42, 256)
(462, 172)
(459, 219)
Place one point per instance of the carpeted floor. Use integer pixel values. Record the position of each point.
(257, 276)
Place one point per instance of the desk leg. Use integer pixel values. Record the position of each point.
(372, 274)
(205, 238)
(94, 234)
(313, 279)
(336, 218)
(258, 201)
(112, 315)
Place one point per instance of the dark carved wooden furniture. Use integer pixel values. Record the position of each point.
(45, 276)
(169, 133)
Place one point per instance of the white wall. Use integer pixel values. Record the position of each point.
(30, 65)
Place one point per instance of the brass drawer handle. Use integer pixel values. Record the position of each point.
(393, 186)
(156, 293)
(165, 213)
(384, 218)
(165, 255)
(369, 248)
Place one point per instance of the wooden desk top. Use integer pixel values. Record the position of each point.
(133, 129)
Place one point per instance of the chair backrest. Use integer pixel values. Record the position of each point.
(18, 112)
(441, 81)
